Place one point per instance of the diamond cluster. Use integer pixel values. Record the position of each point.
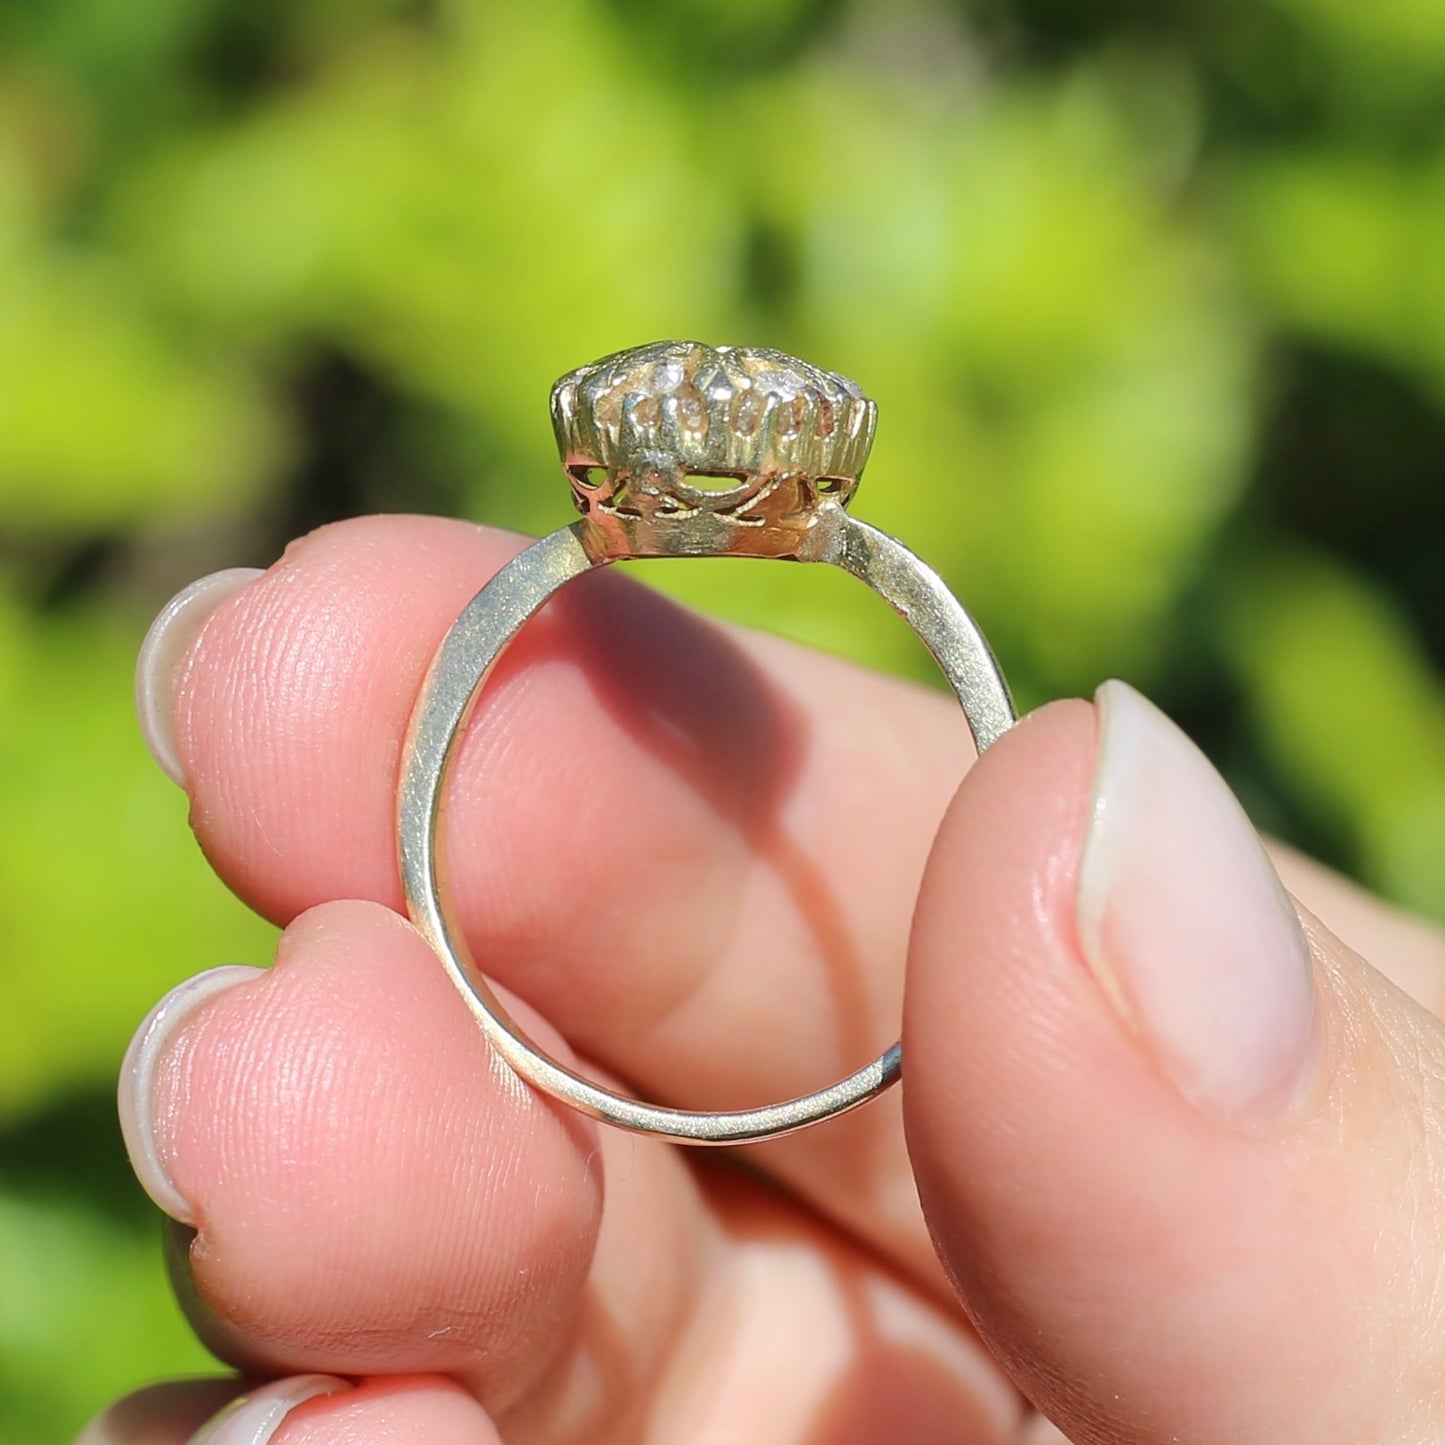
(767, 437)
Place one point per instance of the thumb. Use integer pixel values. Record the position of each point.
(1181, 1154)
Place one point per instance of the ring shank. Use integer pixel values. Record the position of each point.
(483, 631)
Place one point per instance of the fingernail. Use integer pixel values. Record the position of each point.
(1186, 925)
(158, 667)
(135, 1096)
(253, 1419)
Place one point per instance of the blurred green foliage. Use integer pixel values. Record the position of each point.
(1152, 298)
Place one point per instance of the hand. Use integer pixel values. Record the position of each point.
(1181, 1166)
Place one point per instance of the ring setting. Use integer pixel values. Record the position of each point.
(642, 431)
(679, 449)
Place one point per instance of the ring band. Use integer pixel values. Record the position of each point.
(790, 442)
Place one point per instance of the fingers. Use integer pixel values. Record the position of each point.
(336, 1110)
(366, 1196)
(433, 1410)
(161, 1414)
(656, 829)
(301, 1410)
(1409, 951)
(1181, 1158)
(801, 1336)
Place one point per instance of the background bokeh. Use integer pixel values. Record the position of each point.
(1152, 297)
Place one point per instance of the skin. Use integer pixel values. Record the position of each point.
(372, 1198)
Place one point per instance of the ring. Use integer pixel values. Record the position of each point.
(640, 434)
